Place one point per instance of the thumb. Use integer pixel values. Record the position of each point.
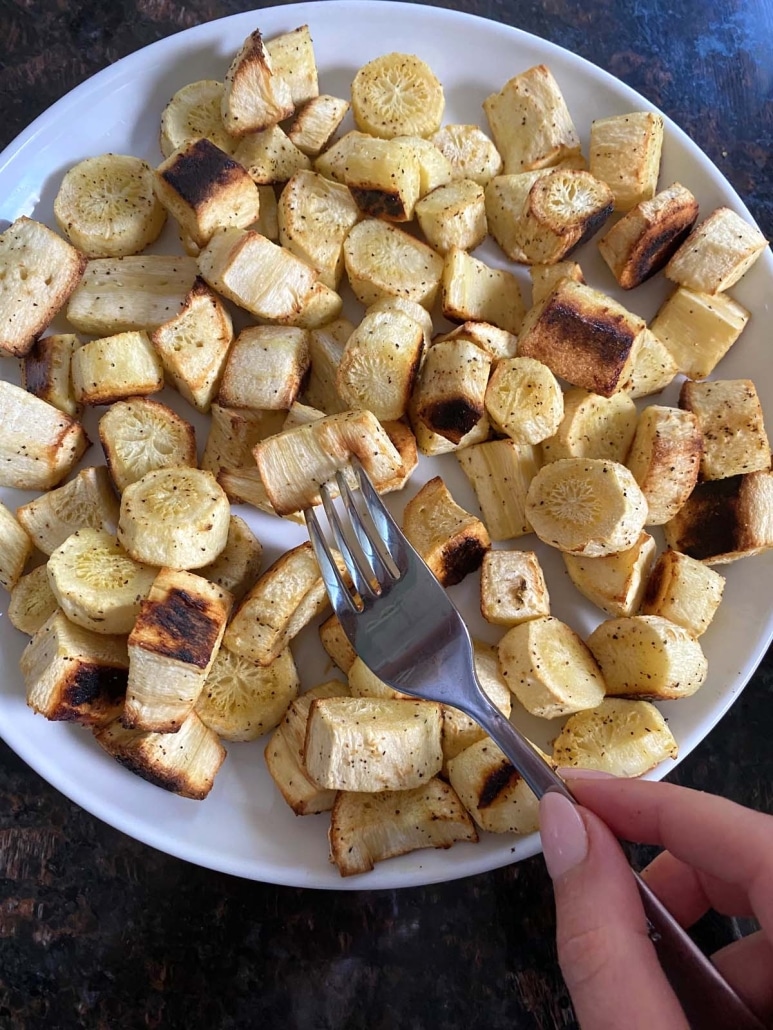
(606, 956)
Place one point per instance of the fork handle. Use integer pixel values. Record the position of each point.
(706, 997)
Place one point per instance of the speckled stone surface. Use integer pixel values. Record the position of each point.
(98, 931)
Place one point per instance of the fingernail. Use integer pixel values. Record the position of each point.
(572, 773)
(564, 838)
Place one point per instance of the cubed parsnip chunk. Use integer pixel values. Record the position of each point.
(332, 161)
(270, 157)
(336, 643)
(364, 744)
(725, 519)
(294, 464)
(326, 345)
(384, 179)
(46, 368)
(74, 675)
(493, 791)
(282, 355)
(434, 168)
(314, 216)
(586, 506)
(470, 152)
(38, 273)
(288, 595)
(698, 329)
(41, 460)
(614, 582)
(241, 700)
(193, 113)
(383, 261)
(499, 343)
(449, 398)
(459, 730)
(665, 459)
(648, 657)
(453, 216)
(32, 601)
(140, 435)
(205, 190)
(254, 97)
(233, 432)
(171, 649)
(530, 122)
(236, 567)
(593, 426)
(621, 737)
(653, 367)
(119, 295)
(293, 61)
(545, 278)
(549, 668)
(524, 400)
(188, 768)
(316, 123)
(473, 291)
(684, 590)
(583, 336)
(367, 828)
(512, 588)
(87, 501)
(716, 253)
(380, 362)
(540, 217)
(193, 345)
(643, 240)
(284, 754)
(625, 153)
(176, 517)
(115, 367)
(450, 540)
(500, 472)
(728, 413)
(15, 548)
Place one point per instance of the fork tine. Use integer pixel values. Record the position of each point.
(383, 528)
(348, 544)
(338, 592)
(374, 547)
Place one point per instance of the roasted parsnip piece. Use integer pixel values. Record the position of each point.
(549, 668)
(336, 643)
(593, 426)
(87, 501)
(397, 95)
(32, 601)
(365, 744)
(449, 398)
(139, 435)
(472, 155)
(115, 367)
(665, 459)
(652, 369)
(118, 295)
(716, 253)
(172, 646)
(728, 414)
(39, 460)
(625, 153)
(500, 472)
(698, 329)
(530, 122)
(621, 737)
(499, 343)
(45, 371)
(241, 700)
(434, 168)
(643, 240)
(236, 567)
(254, 97)
(586, 506)
(473, 291)
(684, 590)
(614, 582)
(74, 675)
(384, 178)
(188, 768)
(450, 540)
(38, 273)
(512, 588)
(459, 730)
(282, 355)
(326, 345)
(331, 162)
(15, 548)
(725, 519)
(288, 595)
(293, 61)
(383, 261)
(524, 400)
(540, 217)
(176, 517)
(366, 828)
(648, 657)
(270, 157)
(545, 278)
(316, 123)
(194, 113)
(453, 216)
(233, 432)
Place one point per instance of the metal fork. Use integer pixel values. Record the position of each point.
(403, 625)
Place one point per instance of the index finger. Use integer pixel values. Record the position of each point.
(712, 834)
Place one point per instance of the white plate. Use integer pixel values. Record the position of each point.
(244, 827)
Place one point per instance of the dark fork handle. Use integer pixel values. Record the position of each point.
(706, 997)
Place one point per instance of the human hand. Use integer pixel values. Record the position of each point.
(718, 855)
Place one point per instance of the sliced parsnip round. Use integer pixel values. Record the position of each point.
(586, 506)
(178, 517)
(625, 738)
(397, 95)
(469, 150)
(194, 113)
(96, 583)
(524, 400)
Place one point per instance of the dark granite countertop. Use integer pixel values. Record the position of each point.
(99, 931)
